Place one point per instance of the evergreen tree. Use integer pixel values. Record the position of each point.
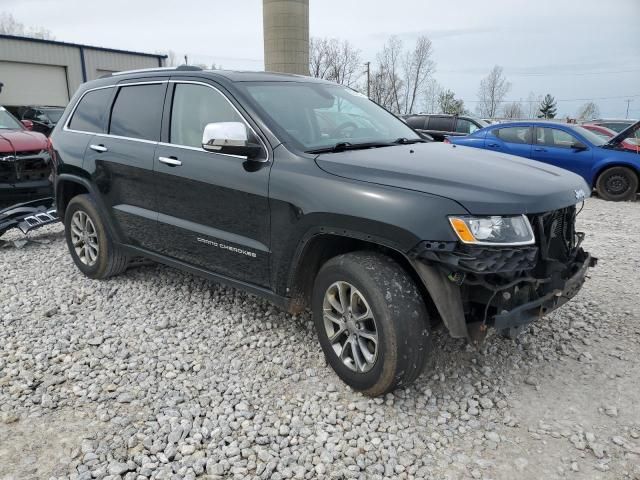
(547, 107)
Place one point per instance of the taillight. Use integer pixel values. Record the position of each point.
(446, 140)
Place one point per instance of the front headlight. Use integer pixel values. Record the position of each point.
(514, 230)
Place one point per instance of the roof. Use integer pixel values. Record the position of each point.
(78, 45)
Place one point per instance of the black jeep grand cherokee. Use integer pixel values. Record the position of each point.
(309, 194)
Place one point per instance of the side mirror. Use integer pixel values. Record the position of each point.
(28, 124)
(579, 146)
(231, 138)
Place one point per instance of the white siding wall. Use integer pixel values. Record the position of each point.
(68, 57)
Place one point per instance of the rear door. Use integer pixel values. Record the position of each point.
(555, 146)
(439, 126)
(213, 208)
(512, 140)
(121, 161)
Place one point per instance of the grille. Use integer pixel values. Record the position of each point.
(555, 230)
(28, 167)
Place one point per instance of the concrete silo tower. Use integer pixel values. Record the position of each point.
(286, 36)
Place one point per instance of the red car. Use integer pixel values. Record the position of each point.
(607, 133)
(25, 162)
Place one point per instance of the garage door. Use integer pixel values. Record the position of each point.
(32, 84)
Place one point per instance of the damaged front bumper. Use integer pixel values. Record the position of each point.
(562, 292)
(476, 287)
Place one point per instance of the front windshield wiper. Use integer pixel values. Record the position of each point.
(406, 141)
(343, 146)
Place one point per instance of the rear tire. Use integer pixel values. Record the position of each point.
(617, 184)
(91, 246)
(374, 288)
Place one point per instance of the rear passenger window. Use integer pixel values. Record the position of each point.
(137, 112)
(441, 124)
(514, 134)
(91, 112)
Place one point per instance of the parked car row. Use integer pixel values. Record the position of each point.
(441, 126)
(611, 165)
(43, 118)
(25, 162)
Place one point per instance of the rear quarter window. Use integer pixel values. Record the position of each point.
(91, 113)
(441, 124)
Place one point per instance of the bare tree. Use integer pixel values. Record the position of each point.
(335, 60)
(389, 61)
(10, 26)
(513, 110)
(588, 111)
(418, 68)
(493, 89)
(381, 89)
(431, 94)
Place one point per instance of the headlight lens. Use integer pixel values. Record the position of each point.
(513, 230)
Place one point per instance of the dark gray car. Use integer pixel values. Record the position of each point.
(311, 195)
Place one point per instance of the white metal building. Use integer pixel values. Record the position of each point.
(47, 72)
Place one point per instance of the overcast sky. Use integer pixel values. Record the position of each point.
(573, 49)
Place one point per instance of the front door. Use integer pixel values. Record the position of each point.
(213, 208)
(556, 146)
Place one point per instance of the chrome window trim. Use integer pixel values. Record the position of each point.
(244, 119)
(164, 144)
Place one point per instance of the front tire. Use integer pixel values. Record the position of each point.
(371, 322)
(617, 184)
(93, 250)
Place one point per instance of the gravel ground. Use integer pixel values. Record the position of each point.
(160, 374)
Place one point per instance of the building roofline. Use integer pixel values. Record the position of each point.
(79, 45)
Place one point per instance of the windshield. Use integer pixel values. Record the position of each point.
(54, 114)
(315, 115)
(591, 137)
(8, 121)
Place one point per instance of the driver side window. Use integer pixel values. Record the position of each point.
(194, 106)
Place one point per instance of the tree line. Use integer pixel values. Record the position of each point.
(402, 80)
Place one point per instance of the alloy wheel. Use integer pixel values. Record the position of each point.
(350, 326)
(84, 238)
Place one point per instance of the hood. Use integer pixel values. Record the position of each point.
(623, 135)
(21, 141)
(483, 182)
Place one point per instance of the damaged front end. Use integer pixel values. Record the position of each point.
(475, 287)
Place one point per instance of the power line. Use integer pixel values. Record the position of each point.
(543, 74)
(562, 99)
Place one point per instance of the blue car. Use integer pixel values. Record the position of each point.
(604, 164)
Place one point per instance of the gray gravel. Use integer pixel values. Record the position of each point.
(160, 374)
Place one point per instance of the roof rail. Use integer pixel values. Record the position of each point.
(156, 69)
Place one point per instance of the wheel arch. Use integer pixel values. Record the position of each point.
(600, 169)
(68, 186)
(323, 246)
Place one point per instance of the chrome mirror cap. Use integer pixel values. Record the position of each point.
(218, 135)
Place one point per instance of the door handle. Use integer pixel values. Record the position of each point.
(98, 148)
(171, 161)
(493, 145)
(539, 149)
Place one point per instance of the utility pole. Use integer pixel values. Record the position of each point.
(186, 60)
(628, 102)
(368, 64)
